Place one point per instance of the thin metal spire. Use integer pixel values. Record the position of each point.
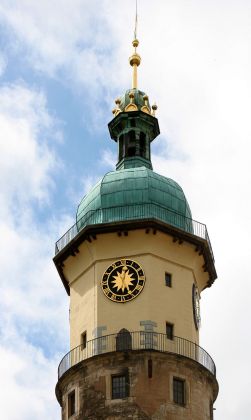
(136, 21)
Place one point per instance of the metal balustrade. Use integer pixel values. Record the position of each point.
(135, 212)
(138, 340)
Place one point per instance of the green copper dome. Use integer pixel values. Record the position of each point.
(135, 194)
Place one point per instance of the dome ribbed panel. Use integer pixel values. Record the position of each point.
(132, 194)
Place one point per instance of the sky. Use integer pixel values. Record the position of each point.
(62, 65)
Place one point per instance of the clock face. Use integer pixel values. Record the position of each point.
(123, 280)
(196, 306)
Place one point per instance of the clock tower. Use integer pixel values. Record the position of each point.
(134, 266)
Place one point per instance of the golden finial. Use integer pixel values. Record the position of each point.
(131, 106)
(145, 97)
(145, 108)
(131, 96)
(154, 108)
(117, 110)
(135, 59)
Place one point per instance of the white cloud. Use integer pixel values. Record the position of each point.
(24, 124)
(60, 34)
(28, 389)
(33, 302)
(109, 159)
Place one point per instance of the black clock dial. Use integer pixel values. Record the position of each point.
(123, 280)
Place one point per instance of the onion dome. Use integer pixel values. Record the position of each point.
(135, 194)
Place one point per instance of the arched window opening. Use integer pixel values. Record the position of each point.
(132, 122)
(123, 340)
(142, 145)
(130, 144)
(121, 147)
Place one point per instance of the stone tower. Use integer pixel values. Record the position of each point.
(134, 265)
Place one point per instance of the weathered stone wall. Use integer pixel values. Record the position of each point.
(149, 398)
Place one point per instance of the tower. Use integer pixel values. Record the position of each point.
(134, 265)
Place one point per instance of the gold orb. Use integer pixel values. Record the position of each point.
(135, 59)
(135, 43)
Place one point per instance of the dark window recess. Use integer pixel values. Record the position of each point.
(168, 279)
(169, 331)
(120, 386)
(121, 147)
(83, 340)
(142, 145)
(123, 340)
(71, 404)
(130, 145)
(179, 391)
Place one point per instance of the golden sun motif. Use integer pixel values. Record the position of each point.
(123, 280)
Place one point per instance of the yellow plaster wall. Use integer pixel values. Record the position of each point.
(83, 307)
(90, 308)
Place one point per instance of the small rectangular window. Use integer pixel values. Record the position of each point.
(71, 404)
(169, 331)
(119, 387)
(168, 279)
(179, 391)
(83, 340)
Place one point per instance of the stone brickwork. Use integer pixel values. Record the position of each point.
(149, 397)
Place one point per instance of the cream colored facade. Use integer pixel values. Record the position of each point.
(92, 312)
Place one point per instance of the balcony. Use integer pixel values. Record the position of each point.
(140, 341)
(137, 213)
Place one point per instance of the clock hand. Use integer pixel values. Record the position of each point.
(122, 276)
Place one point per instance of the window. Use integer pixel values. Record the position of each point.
(130, 144)
(142, 145)
(132, 122)
(168, 279)
(123, 340)
(179, 391)
(120, 386)
(83, 340)
(71, 404)
(169, 331)
(121, 147)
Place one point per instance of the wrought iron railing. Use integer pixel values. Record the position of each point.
(138, 340)
(135, 212)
